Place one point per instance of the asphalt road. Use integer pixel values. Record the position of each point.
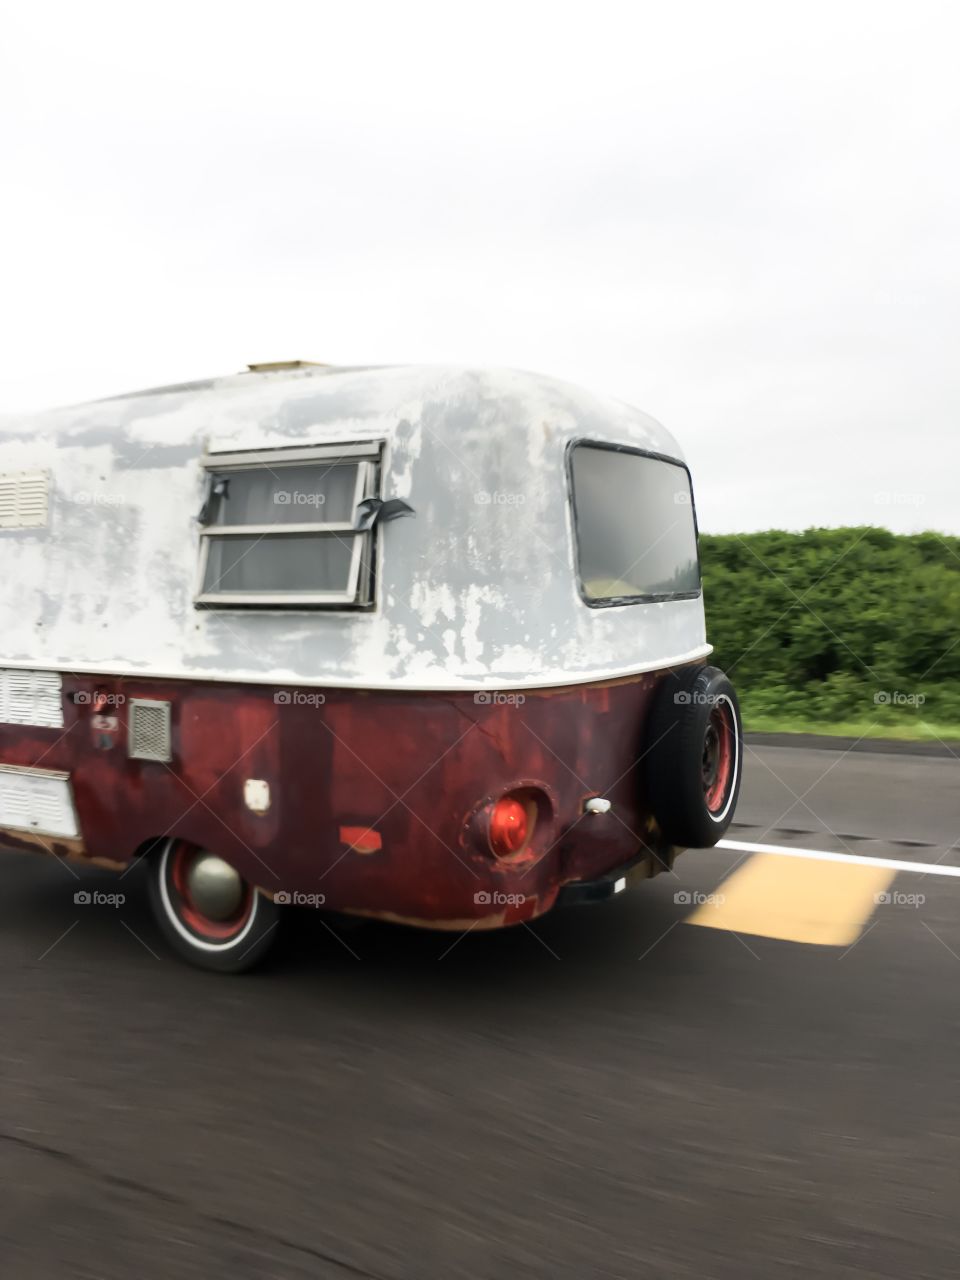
(615, 1093)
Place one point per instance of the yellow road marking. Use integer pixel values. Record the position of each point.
(798, 900)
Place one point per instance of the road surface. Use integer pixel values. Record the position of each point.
(616, 1092)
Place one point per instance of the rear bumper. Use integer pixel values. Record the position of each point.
(581, 892)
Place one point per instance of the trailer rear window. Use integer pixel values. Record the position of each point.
(636, 538)
(282, 527)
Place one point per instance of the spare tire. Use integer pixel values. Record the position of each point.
(693, 757)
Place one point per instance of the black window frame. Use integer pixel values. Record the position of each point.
(610, 602)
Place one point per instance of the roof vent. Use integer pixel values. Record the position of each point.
(280, 366)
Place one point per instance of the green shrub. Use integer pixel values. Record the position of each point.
(859, 626)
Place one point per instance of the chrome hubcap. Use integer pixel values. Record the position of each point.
(215, 888)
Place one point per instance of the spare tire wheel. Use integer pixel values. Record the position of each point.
(693, 756)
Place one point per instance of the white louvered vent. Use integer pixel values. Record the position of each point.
(39, 800)
(31, 697)
(149, 729)
(23, 499)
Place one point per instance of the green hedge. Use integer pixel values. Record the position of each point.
(838, 627)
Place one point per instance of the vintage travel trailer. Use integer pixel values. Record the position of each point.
(421, 644)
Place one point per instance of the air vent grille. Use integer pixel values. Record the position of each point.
(31, 697)
(23, 499)
(149, 729)
(37, 800)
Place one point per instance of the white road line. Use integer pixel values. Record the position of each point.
(897, 864)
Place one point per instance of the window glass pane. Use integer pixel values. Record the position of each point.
(635, 529)
(302, 563)
(316, 493)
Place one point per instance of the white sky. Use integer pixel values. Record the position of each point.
(742, 218)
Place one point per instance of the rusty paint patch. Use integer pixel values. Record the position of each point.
(445, 754)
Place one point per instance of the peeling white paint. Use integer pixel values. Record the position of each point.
(471, 594)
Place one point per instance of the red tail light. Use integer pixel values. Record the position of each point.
(509, 826)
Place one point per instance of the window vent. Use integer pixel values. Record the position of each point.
(37, 800)
(23, 499)
(149, 730)
(31, 697)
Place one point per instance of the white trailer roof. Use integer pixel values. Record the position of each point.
(473, 592)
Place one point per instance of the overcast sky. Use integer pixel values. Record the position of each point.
(742, 218)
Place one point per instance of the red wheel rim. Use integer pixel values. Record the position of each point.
(204, 926)
(719, 756)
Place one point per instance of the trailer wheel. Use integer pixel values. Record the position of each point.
(207, 912)
(694, 761)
